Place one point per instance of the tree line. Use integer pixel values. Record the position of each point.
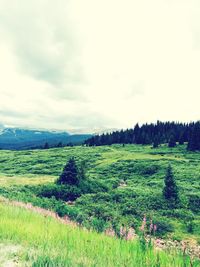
(153, 133)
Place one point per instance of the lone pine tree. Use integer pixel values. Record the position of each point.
(170, 191)
(70, 174)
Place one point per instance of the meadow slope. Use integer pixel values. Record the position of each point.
(43, 241)
(123, 183)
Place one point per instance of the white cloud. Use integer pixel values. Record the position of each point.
(99, 63)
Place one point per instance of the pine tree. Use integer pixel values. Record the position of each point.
(59, 144)
(170, 191)
(70, 173)
(181, 139)
(194, 140)
(172, 142)
(46, 146)
(155, 142)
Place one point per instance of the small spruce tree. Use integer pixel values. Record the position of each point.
(170, 191)
(70, 174)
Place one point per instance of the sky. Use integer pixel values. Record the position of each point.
(97, 64)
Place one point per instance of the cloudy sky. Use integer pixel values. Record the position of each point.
(74, 64)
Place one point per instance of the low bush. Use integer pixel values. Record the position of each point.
(164, 226)
(63, 192)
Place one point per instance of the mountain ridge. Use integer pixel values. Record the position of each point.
(19, 138)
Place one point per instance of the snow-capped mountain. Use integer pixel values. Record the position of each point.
(17, 138)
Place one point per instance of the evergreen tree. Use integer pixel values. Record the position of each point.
(194, 139)
(59, 144)
(46, 146)
(70, 174)
(155, 142)
(170, 191)
(172, 142)
(181, 139)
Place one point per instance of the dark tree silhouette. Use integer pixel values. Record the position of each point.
(46, 146)
(170, 191)
(194, 139)
(70, 174)
(60, 144)
(155, 143)
(160, 132)
(172, 142)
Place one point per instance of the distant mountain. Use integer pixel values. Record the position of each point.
(17, 138)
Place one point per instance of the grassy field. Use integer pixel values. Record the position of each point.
(43, 241)
(125, 183)
(107, 162)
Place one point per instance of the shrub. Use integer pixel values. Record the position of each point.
(63, 192)
(164, 226)
(190, 226)
(90, 186)
(149, 170)
(194, 202)
(98, 225)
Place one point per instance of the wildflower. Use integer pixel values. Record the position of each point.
(130, 234)
(151, 227)
(110, 232)
(184, 247)
(123, 231)
(144, 222)
(154, 228)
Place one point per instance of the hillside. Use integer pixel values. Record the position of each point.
(32, 239)
(17, 138)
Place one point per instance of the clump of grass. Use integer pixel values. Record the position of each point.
(50, 243)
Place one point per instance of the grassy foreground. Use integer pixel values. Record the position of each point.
(50, 243)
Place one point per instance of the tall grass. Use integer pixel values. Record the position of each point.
(47, 242)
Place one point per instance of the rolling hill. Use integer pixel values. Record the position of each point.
(17, 138)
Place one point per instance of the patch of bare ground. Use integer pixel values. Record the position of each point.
(9, 255)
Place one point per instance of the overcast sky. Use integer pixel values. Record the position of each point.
(86, 64)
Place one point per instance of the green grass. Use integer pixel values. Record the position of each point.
(8, 181)
(141, 167)
(47, 242)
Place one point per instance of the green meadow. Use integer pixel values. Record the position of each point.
(122, 185)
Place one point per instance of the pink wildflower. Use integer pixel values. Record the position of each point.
(151, 226)
(130, 234)
(123, 231)
(110, 232)
(142, 228)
